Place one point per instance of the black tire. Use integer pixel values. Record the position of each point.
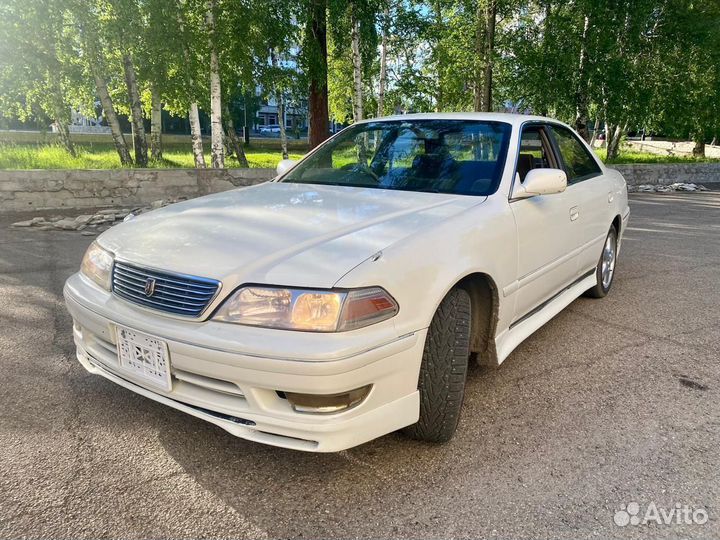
(444, 370)
(600, 290)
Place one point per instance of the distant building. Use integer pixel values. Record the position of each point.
(296, 115)
(79, 123)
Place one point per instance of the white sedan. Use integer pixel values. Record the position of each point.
(343, 300)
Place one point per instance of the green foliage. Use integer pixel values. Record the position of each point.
(686, 71)
(411, 84)
(37, 72)
(340, 82)
(634, 64)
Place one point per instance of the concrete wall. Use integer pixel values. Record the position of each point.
(46, 189)
(707, 174)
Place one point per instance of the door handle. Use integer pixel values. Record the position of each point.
(574, 213)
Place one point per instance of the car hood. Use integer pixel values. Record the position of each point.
(278, 233)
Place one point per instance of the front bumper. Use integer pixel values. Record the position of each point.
(238, 391)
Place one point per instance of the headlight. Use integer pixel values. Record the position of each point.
(97, 265)
(302, 309)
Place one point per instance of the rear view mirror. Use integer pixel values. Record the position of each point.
(540, 182)
(285, 165)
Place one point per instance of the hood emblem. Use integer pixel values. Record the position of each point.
(149, 287)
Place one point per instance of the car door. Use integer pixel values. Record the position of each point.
(592, 190)
(548, 236)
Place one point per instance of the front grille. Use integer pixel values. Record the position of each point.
(172, 293)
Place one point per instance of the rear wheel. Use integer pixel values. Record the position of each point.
(444, 370)
(605, 270)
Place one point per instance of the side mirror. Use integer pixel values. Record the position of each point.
(540, 182)
(285, 165)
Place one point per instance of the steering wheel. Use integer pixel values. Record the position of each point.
(363, 168)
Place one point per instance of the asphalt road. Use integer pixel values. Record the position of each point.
(614, 401)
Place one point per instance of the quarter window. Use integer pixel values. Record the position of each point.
(579, 163)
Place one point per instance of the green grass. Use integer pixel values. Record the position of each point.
(103, 156)
(630, 156)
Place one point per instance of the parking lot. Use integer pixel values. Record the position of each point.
(614, 401)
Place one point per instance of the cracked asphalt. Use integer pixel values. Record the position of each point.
(614, 401)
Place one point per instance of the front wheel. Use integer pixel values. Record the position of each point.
(444, 370)
(605, 270)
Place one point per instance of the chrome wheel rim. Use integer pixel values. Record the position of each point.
(607, 263)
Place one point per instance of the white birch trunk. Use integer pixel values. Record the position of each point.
(156, 125)
(383, 61)
(283, 131)
(581, 98)
(280, 98)
(595, 131)
(357, 68)
(217, 147)
(233, 138)
(64, 135)
(613, 141)
(193, 113)
(111, 117)
(196, 136)
(61, 116)
(139, 140)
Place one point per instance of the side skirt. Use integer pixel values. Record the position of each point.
(509, 339)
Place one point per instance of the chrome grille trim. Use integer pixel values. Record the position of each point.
(178, 294)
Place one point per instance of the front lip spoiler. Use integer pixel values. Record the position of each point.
(238, 427)
(222, 416)
(216, 414)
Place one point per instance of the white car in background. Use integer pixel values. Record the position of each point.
(270, 128)
(343, 300)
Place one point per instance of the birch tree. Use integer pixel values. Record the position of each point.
(235, 143)
(217, 145)
(91, 45)
(356, 62)
(581, 86)
(159, 55)
(279, 94)
(185, 90)
(353, 58)
(686, 76)
(156, 149)
(136, 111)
(382, 81)
(36, 73)
(123, 34)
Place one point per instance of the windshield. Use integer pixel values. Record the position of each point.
(463, 157)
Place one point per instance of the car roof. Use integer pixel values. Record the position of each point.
(508, 118)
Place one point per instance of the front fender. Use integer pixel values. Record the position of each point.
(420, 269)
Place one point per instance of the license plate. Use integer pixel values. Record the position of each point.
(144, 356)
